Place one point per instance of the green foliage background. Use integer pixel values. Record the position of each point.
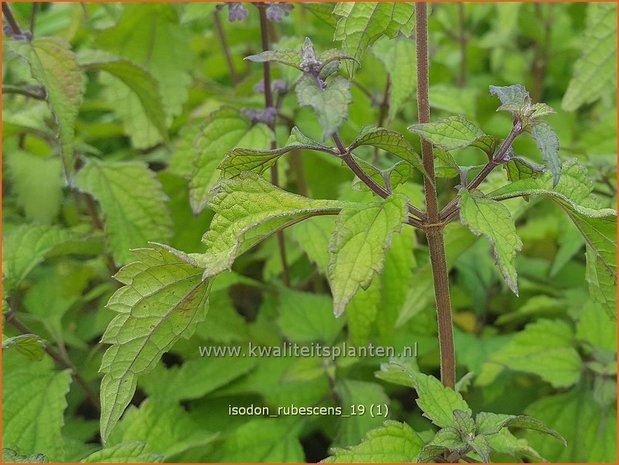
(141, 109)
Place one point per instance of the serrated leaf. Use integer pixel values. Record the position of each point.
(138, 80)
(305, 317)
(33, 405)
(358, 244)
(285, 57)
(520, 168)
(243, 159)
(597, 226)
(133, 203)
(150, 36)
(493, 220)
(330, 103)
(513, 98)
(125, 452)
(437, 401)
(25, 246)
(162, 300)
(450, 133)
(398, 56)
(389, 141)
(30, 345)
(55, 66)
(11, 456)
(445, 441)
(544, 348)
(595, 71)
(394, 442)
(361, 24)
(491, 423)
(164, 427)
(223, 130)
(548, 143)
(247, 210)
(505, 442)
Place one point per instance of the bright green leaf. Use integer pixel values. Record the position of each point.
(595, 72)
(132, 201)
(358, 244)
(125, 452)
(394, 442)
(548, 143)
(450, 133)
(162, 300)
(493, 220)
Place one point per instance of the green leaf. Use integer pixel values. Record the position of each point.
(125, 452)
(223, 130)
(511, 97)
(362, 312)
(248, 209)
(595, 72)
(520, 168)
(33, 405)
(493, 220)
(450, 133)
(394, 442)
(138, 80)
(262, 440)
(361, 24)
(11, 456)
(285, 57)
(30, 345)
(307, 317)
(312, 236)
(505, 442)
(491, 423)
(150, 36)
(544, 348)
(597, 226)
(398, 56)
(590, 430)
(548, 143)
(244, 159)
(37, 182)
(596, 328)
(165, 428)
(330, 103)
(55, 66)
(195, 379)
(133, 203)
(437, 401)
(25, 246)
(445, 441)
(353, 428)
(389, 141)
(162, 300)
(358, 244)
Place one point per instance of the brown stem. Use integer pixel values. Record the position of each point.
(221, 34)
(10, 19)
(463, 39)
(269, 103)
(433, 228)
(540, 59)
(61, 361)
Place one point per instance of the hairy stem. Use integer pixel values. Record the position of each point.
(10, 19)
(269, 103)
(35, 92)
(221, 35)
(61, 360)
(433, 228)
